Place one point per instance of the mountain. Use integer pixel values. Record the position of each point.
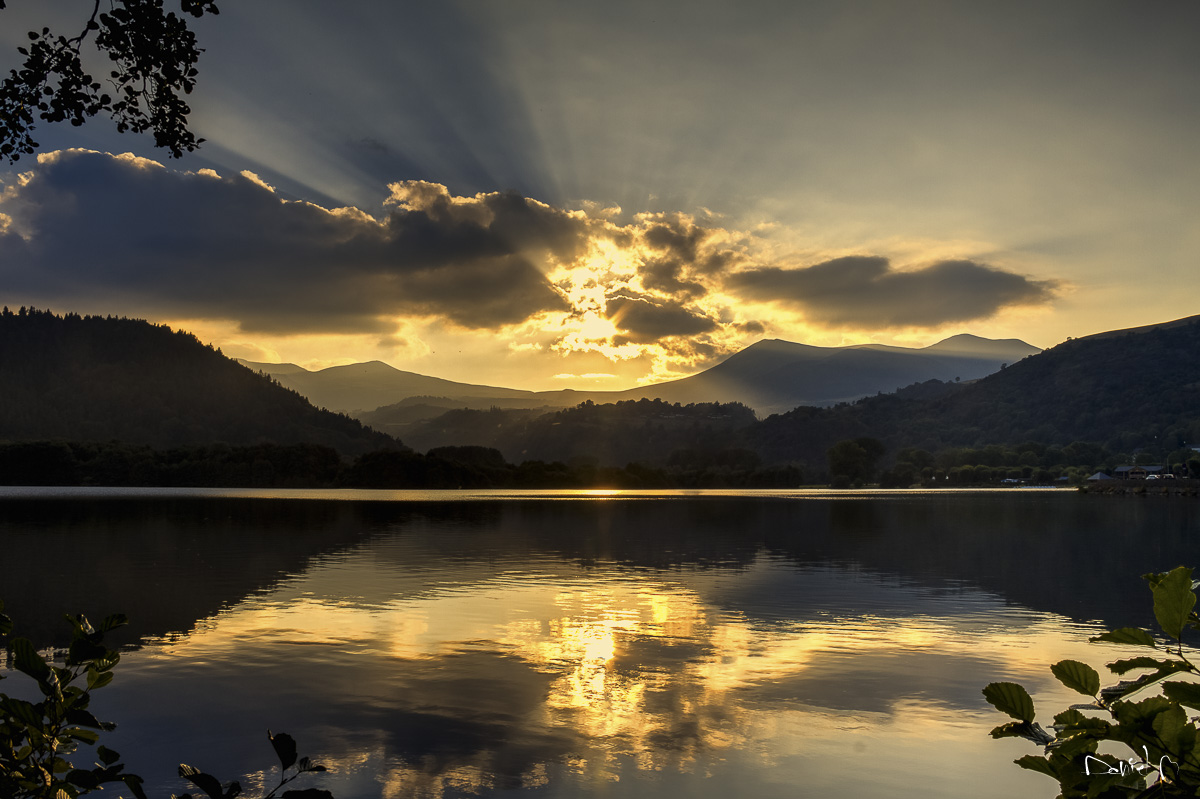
(770, 376)
(364, 386)
(1123, 389)
(106, 379)
(774, 376)
(1118, 392)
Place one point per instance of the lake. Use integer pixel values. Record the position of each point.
(588, 644)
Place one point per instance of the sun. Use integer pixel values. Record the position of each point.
(596, 327)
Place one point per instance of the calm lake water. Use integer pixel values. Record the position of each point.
(588, 644)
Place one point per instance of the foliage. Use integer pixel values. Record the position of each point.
(92, 378)
(852, 462)
(38, 738)
(1165, 748)
(285, 749)
(153, 57)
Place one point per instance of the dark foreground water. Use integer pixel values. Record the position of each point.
(584, 645)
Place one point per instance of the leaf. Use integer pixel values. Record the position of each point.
(1010, 698)
(84, 718)
(1069, 716)
(1126, 635)
(1077, 676)
(83, 650)
(81, 624)
(1174, 600)
(1013, 729)
(1132, 715)
(1174, 731)
(112, 622)
(285, 748)
(107, 756)
(87, 736)
(27, 660)
(205, 782)
(1126, 687)
(134, 783)
(84, 779)
(1037, 763)
(24, 712)
(98, 679)
(1185, 693)
(1082, 742)
(1163, 666)
(1072, 721)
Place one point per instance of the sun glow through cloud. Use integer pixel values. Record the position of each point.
(495, 278)
(685, 174)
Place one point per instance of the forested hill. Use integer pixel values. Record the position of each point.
(91, 378)
(1125, 390)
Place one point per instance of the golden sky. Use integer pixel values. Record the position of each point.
(553, 196)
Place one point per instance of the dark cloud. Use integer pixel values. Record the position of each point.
(683, 252)
(128, 234)
(751, 328)
(676, 237)
(866, 291)
(665, 275)
(645, 321)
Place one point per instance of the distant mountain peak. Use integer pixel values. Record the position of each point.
(968, 344)
(374, 367)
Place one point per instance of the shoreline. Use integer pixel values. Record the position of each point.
(1140, 488)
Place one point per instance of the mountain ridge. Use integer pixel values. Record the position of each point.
(770, 376)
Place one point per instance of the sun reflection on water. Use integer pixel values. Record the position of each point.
(587, 674)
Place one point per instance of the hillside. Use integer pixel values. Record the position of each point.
(1125, 390)
(102, 379)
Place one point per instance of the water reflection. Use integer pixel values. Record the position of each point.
(825, 648)
(551, 676)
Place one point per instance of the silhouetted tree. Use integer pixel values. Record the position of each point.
(854, 460)
(153, 57)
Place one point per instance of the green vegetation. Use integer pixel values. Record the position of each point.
(38, 739)
(105, 401)
(1156, 730)
(98, 379)
(58, 463)
(852, 463)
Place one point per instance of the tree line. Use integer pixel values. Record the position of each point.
(265, 465)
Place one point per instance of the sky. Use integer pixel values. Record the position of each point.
(551, 195)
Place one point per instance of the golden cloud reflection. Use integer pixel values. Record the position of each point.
(519, 677)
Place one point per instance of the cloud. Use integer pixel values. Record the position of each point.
(93, 232)
(126, 233)
(868, 292)
(644, 321)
